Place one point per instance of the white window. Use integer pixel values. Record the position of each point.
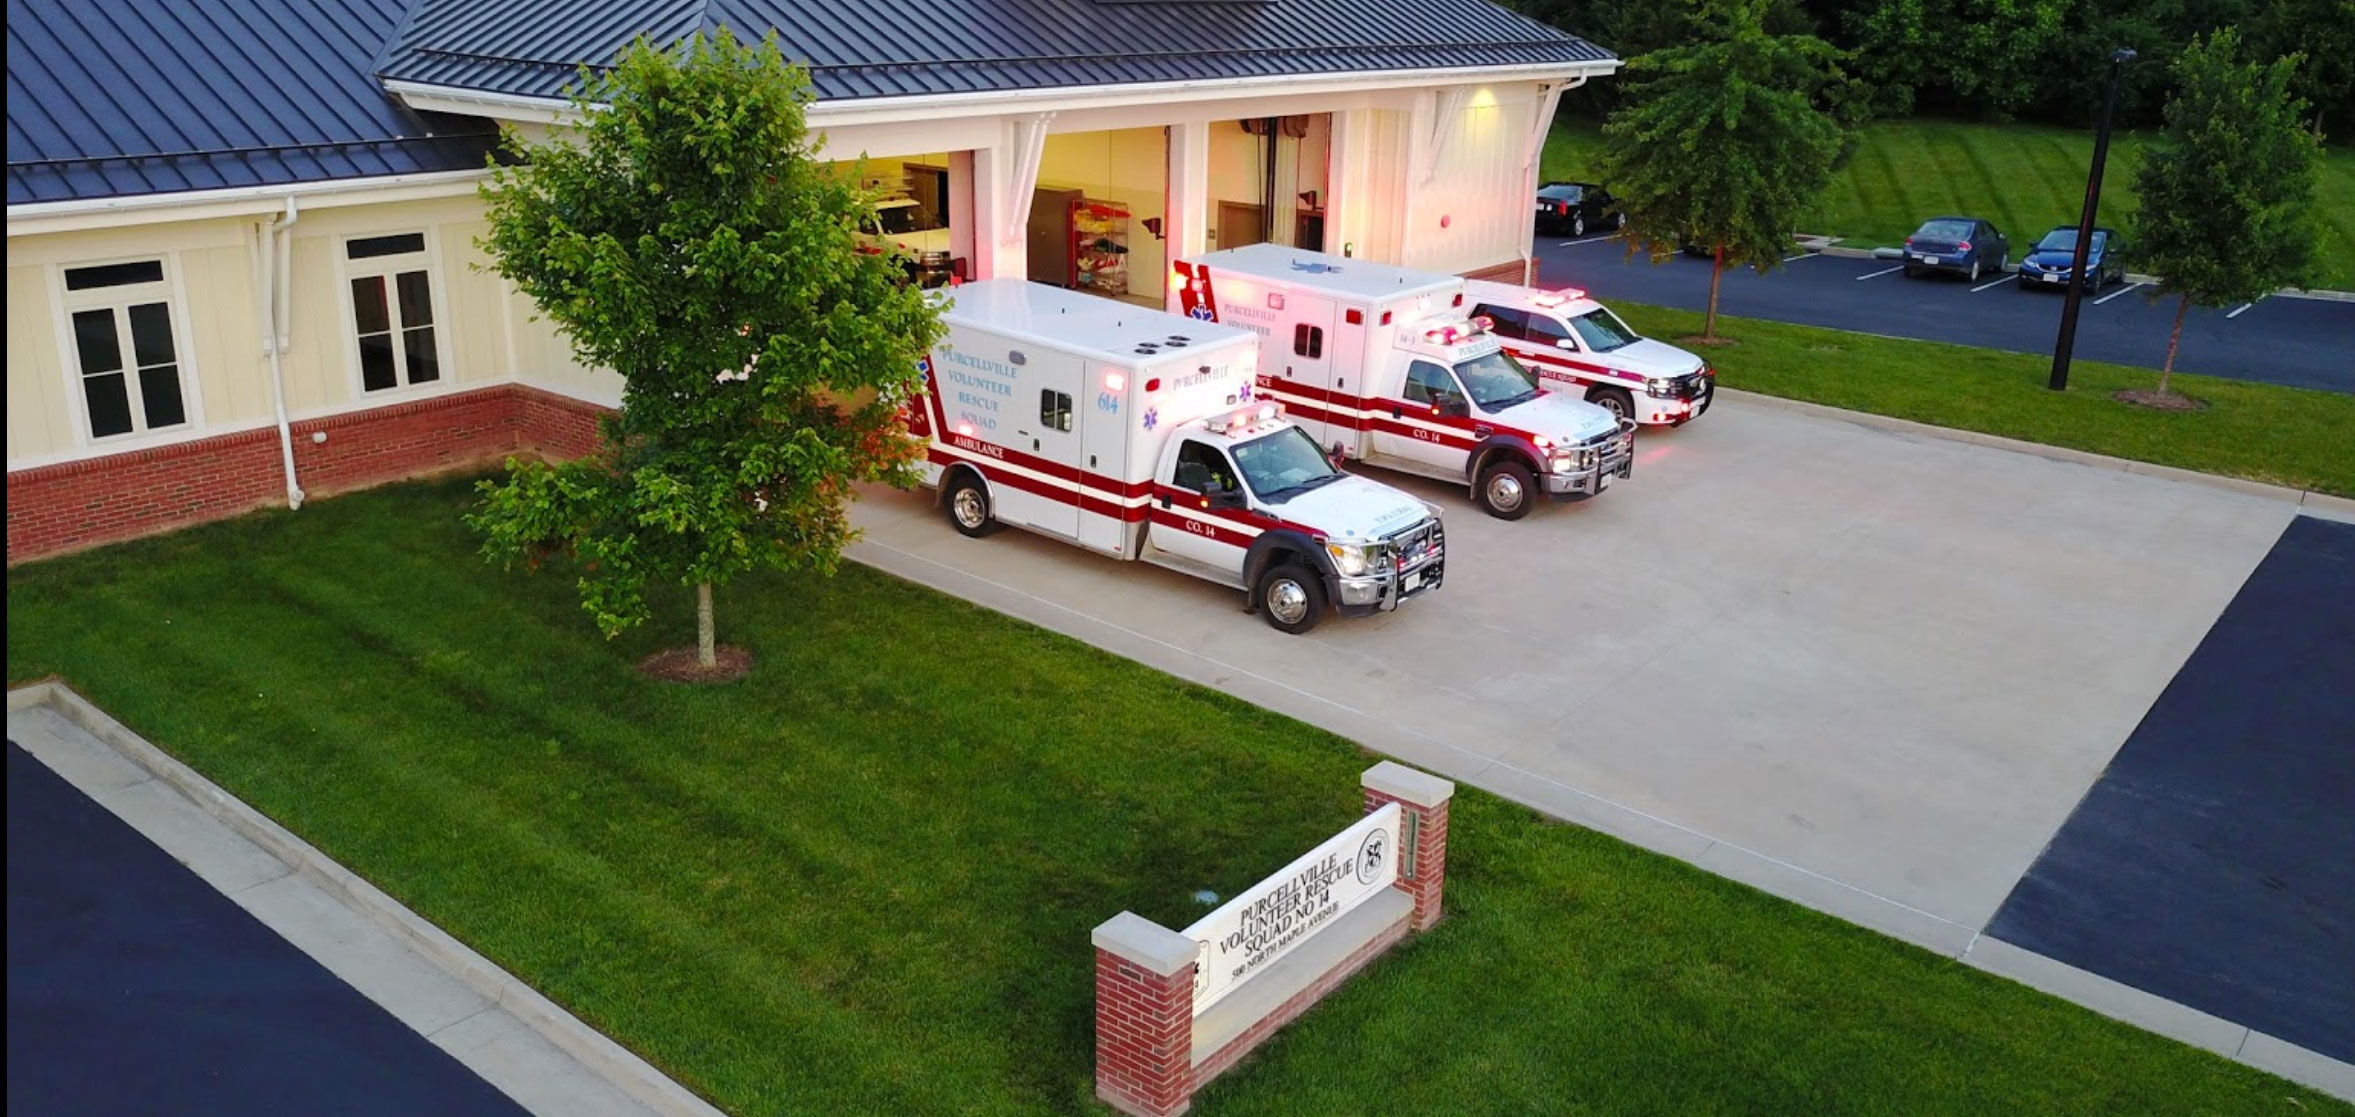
(399, 343)
(126, 354)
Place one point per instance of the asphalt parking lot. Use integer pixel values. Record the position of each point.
(2214, 862)
(135, 987)
(2299, 342)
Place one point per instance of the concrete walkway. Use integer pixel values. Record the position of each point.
(1867, 669)
(529, 1049)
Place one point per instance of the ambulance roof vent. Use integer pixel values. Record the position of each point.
(1180, 339)
(1148, 349)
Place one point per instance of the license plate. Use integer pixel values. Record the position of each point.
(1542, 209)
(2051, 278)
(1602, 481)
(1925, 257)
(1411, 582)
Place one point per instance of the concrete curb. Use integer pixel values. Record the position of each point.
(591, 1048)
(2323, 505)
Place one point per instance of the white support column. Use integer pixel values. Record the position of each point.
(1447, 107)
(1549, 99)
(1030, 148)
(1187, 221)
(1345, 181)
(964, 192)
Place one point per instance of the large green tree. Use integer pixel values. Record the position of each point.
(1725, 140)
(1985, 53)
(2226, 198)
(684, 235)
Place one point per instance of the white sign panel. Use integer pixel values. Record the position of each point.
(1263, 924)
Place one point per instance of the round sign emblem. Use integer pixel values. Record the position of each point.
(1371, 854)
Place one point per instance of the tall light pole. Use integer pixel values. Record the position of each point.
(2093, 196)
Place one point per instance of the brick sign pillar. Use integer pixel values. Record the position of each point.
(1144, 1017)
(1422, 870)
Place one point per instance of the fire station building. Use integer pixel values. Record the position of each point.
(241, 238)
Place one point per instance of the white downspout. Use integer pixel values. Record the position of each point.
(277, 296)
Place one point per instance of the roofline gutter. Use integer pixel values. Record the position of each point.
(429, 97)
(33, 218)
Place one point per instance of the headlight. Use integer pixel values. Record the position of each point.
(1658, 387)
(1350, 558)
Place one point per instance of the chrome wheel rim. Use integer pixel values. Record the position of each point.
(1578, 226)
(1287, 601)
(1611, 404)
(969, 510)
(1504, 492)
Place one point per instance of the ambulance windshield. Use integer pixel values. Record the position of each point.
(1283, 465)
(1496, 381)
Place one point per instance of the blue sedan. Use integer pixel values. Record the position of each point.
(2048, 264)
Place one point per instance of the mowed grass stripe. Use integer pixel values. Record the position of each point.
(2026, 178)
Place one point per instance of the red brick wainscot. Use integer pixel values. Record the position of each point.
(1511, 271)
(68, 506)
(1155, 1046)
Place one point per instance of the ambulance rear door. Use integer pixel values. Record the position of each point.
(1047, 417)
(1302, 352)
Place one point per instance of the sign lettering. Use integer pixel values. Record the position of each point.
(1250, 932)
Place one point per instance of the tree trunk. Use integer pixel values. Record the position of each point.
(1716, 269)
(707, 648)
(2182, 303)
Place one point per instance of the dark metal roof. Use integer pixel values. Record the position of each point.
(119, 97)
(887, 48)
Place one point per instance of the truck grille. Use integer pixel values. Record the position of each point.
(1417, 545)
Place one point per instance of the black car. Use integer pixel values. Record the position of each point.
(2047, 265)
(1575, 207)
(1963, 245)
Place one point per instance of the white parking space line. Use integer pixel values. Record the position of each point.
(1801, 256)
(1995, 283)
(2236, 311)
(1883, 271)
(2121, 291)
(1589, 240)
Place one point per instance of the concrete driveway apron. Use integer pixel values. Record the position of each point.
(1865, 670)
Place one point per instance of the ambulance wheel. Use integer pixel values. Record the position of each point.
(1291, 597)
(1614, 400)
(1506, 490)
(967, 503)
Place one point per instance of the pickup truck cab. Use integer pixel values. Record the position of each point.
(1576, 345)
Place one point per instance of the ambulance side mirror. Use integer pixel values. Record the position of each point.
(1336, 454)
(1567, 343)
(1452, 406)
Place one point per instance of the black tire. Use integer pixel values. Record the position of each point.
(1974, 269)
(1614, 400)
(966, 502)
(1578, 225)
(1911, 273)
(1619, 220)
(1507, 489)
(1291, 596)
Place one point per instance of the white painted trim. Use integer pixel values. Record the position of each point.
(63, 304)
(543, 110)
(35, 218)
(1447, 109)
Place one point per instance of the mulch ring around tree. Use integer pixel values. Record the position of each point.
(2159, 401)
(677, 665)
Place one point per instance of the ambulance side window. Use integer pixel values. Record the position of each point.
(1054, 409)
(1429, 383)
(1503, 321)
(1308, 341)
(1544, 330)
(1198, 464)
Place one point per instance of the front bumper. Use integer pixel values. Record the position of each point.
(1614, 456)
(1414, 563)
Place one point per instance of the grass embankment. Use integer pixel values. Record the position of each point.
(2025, 178)
(2262, 432)
(863, 880)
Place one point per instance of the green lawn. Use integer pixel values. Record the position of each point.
(2262, 432)
(862, 881)
(2025, 178)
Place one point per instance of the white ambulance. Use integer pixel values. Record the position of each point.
(1138, 434)
(1384, 363)
(1576, 344)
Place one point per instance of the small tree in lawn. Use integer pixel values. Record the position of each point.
(685, 236)
(2226, 196)
(1724, 141)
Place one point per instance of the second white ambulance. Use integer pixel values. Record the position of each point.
(1576, 344)
(1384, 363)
(1138, 434)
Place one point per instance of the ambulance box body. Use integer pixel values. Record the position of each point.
(1141, 435)
(1385, 363)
